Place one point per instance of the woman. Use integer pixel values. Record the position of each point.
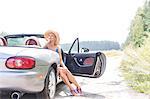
(53, 39)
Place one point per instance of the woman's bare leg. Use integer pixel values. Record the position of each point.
(66, 81)
(72, 78)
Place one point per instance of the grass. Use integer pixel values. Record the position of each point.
(136, 68)
(112, 53)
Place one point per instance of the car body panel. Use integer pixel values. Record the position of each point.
(31, 80)
(76, 63)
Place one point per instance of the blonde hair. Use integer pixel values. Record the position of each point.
(46, 34)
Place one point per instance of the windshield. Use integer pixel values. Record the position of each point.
(21, 41)
(25, 40)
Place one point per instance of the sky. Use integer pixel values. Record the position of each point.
(92, 20)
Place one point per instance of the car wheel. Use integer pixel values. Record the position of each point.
(50, 86)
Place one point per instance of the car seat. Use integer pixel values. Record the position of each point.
(3, 41)
(32, 41)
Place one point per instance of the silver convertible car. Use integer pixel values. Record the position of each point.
(25, 67)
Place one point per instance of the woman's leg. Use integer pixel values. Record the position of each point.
(71, 78)
(66, 81)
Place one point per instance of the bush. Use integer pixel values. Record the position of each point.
(136, 67)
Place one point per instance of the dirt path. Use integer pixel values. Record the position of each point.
(110, 86)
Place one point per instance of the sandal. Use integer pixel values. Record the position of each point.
(79, 90)
(74, 92)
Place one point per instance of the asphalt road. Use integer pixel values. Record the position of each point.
(111, 85)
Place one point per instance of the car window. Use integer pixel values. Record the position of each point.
(75, 48)
(15, 41)
(20, 41)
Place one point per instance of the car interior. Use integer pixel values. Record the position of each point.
(3, 41)
(32, 41)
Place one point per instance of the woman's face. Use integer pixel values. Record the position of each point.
(51, 37)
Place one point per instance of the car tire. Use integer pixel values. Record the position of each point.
(50, 86)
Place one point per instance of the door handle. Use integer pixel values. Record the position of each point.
(73, 55)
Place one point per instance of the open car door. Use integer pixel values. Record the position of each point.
(85, 63)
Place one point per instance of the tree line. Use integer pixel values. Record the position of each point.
(94, 45)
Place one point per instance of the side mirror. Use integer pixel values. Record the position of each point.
(84, 50)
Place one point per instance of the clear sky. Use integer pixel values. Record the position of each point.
(86, 19)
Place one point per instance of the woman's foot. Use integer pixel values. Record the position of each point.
(74, 92)
(79, 90)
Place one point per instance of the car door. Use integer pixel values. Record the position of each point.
(91, 64)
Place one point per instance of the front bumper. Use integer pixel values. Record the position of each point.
(24, 81)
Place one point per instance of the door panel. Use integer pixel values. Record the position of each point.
(80, 63)
(88, 61)
(87, 64)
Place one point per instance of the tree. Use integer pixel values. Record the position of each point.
(140, 27)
